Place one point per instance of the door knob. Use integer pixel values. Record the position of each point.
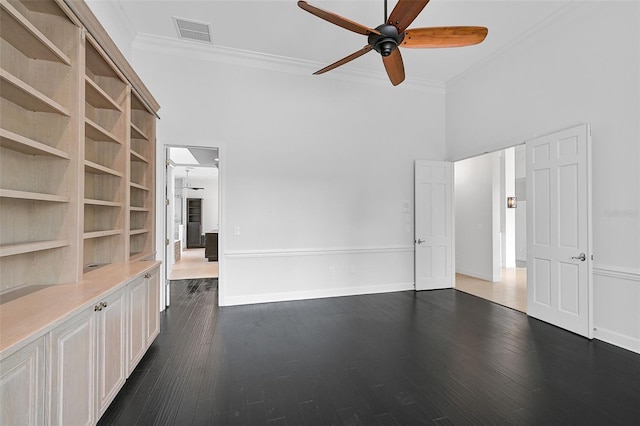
(582, 257)
(421, 241)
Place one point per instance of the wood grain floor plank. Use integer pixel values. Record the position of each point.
(435, 358)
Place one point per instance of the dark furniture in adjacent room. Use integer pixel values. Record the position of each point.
(194, 223)
(211, 246)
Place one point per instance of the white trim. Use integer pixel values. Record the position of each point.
(604, 334)
(219, 54)
(617, 272)
(316, 294)
(617, 339)
(481, 276)
(246, 254)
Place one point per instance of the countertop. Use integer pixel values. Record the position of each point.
(24, 319)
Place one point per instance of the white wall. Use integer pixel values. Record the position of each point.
(115, 21)
(584, 67)
(508, 214)
(314, 171)
(477, 219)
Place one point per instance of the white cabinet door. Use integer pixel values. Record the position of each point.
(72, 371)
(137, 336)
(153, 307)
(22, 386)
(111, 348)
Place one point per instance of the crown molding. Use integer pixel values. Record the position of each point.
(517, 42)
(248, 59)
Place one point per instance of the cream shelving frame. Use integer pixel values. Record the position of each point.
(77, 148)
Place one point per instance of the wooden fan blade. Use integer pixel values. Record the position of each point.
(337, 19)
(405, 12)
(443, 37)
(343, 61)
(394, 66)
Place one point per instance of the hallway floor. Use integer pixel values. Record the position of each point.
(193, 265)
(439, 357)
(511, 291)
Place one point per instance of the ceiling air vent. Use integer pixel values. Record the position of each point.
(193, 30)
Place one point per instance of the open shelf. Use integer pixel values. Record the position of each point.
(138, 186)
(98, 64)
(95, 168)
(97, 97)
(137, 255)
(139, 209)
(137, 157)
(15, 249)
(138, 231)
(25, 37)
(34, 196)
(97, 133)
(19, 143)
(22, 94)
(137, 133)
(92, 202)
(100, 234)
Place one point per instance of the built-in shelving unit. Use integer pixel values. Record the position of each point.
(77, 134)
(141, 175)
(105, 164)
(39, 54)
(76, 178)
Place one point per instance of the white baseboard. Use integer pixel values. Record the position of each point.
(617, 339)
(478, 275)
(617, 306)
(315, 294)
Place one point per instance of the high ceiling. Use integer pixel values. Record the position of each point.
(280, 28)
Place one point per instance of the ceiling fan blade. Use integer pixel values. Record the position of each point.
(394, 66)
(405, 12)
(443, 37)
(343, 61)
(337, 19)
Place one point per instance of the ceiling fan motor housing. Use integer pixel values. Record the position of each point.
(387, 41)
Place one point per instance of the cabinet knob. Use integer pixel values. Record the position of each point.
(103, 304)
(97, 308)
(147, 275)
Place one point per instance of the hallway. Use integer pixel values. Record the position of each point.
(193, 265)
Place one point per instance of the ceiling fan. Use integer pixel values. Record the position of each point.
(186, 184)
(386, 38)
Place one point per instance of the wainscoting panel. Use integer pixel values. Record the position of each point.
(280, 275)
(616, 306)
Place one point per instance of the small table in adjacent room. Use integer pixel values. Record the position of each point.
(211, 246)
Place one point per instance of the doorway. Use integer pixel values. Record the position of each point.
(192, 213)
(490, 222)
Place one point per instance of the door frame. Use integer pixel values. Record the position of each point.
(589, 190)
(161, 217)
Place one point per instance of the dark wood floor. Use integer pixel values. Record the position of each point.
(438, 357)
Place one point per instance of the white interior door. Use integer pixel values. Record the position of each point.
(169, 184)
(559, 229)
(434, 265)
